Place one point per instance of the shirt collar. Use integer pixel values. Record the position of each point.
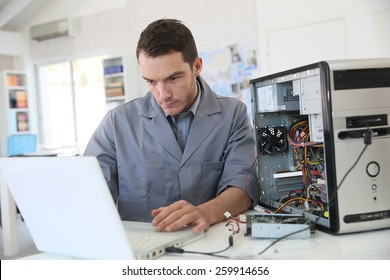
(195, 106)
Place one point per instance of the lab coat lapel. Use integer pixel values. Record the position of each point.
(206, 118)
(200, 129)
(158, 127)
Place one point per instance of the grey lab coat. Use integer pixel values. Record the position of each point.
(146, 169)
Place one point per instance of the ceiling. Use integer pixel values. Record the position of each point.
(15, 13)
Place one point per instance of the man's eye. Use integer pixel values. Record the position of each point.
(150, 82)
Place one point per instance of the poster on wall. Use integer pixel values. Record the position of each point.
(229, 70)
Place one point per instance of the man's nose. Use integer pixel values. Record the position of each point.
(163, 90)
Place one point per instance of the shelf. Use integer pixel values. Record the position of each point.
(114, 82)
(18, 109)
(17, 98)
(18, 121)
(112, 76)
(15, 79)
(17, 88)
(115, 98)
(14, 104)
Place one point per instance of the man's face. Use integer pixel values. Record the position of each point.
(171, 81)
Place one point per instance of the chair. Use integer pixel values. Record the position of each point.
(19, 144)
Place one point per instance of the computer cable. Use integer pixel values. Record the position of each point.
(247, 178)
(367, 141)
(289, 234)
(213, 254)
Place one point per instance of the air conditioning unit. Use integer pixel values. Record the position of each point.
(50, 30)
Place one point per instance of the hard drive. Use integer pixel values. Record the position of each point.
(275, 226)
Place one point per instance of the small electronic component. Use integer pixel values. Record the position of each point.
(278, 226)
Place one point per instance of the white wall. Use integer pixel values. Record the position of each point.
(57, 9)
(295, 33)
(12, 43)
(215, 24)
(14, 50)
(285, 33)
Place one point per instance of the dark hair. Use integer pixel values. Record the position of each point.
(166, 36)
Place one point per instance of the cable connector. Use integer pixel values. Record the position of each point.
(321, 181)
(231, 240)
(174, 250)
(227, 214)
(368, 137)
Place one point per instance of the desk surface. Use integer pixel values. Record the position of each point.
(371, 245)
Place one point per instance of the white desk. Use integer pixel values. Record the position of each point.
(8, 220)
(372, 245)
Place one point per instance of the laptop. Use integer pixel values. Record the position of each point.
(68, 209)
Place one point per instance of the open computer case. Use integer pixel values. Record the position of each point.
(323, 142)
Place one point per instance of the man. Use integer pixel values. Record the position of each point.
(180, 155)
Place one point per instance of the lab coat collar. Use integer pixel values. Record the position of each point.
(206, 118)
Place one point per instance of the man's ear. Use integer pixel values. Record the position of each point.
(198, 63)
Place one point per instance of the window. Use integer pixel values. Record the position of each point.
(71, 102)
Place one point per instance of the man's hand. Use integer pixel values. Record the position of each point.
(180, 214)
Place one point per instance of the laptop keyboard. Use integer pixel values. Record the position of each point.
(145, 241)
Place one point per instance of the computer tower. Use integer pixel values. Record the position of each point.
(323, 142)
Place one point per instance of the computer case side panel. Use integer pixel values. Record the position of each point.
(326, 98)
